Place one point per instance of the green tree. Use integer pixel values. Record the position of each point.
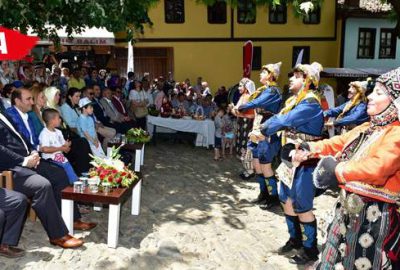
(44, 17)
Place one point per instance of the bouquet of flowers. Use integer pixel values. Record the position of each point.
(137, 135)
(112, 170)
(153, 110)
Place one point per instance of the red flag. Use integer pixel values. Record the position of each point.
(14, 45)
(247, 58)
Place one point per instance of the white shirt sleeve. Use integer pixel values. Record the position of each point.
(44, 138)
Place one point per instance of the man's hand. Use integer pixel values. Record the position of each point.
(299, 156)
(33, 160)
(99, 125)
(255, 137)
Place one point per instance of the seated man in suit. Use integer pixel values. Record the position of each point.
(100, 111)
(124, 122)
(119, 103)
(38, 179)
(12, 216)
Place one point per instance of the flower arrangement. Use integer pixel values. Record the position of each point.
(112, 170)
(153, 110)
(137, 135)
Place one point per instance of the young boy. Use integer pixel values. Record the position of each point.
(86, 127)
(218, 121)
(52, 143)
(228, 135)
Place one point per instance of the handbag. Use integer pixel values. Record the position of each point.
(140, 112)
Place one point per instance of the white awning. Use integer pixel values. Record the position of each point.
(90, 36)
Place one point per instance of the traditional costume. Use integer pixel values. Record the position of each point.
(301, 120)
(245, 126)
(365, 231)
(267, 101)
(353, 112)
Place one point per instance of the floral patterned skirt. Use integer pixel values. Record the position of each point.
(244, 126)
(356, 241)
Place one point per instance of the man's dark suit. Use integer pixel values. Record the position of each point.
(43, 184)
(100, 114)
(12, 216)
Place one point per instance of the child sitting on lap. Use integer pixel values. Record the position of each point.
(52, 143)
(86, 127)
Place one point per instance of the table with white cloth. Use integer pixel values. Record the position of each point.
(205, 129)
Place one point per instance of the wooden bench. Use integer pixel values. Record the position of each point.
(114, 199)
(6, 181)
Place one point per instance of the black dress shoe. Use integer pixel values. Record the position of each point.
(246, 176)
(271, 202)
(290, 246)
(304, 256)
(261, 199)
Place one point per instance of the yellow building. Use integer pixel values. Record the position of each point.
(191, 46)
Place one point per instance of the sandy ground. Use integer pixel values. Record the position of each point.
(195, 214)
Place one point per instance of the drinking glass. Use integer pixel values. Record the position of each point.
(78, 188)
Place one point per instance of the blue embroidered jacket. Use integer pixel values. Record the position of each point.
(270, 100)
(306, 117)
(355, 116)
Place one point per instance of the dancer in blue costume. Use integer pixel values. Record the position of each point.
(301, 120)
(267, 101)
(353, 112)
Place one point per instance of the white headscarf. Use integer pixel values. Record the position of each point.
(249, 85)
(50, 93)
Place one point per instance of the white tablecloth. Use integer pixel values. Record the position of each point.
(205, 129)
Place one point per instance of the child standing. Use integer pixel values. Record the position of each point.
(86, 127)
(228, 134)
(52, 143)
(218, 133)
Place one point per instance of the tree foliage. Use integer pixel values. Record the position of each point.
(44, 17)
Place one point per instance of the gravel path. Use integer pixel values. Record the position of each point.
(195, 214)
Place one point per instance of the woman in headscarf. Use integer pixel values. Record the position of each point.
(244, 125)
(53, 97)
(80, 150)
(353, 112)
(365, 163)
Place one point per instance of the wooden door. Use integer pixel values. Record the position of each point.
(155, 61)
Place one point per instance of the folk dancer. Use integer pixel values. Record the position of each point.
(301, 120)
(267, 101)
(244, 127)
(353, 112)
(365, 163)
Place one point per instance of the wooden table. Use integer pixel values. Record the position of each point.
(114, 199)
(138, 148)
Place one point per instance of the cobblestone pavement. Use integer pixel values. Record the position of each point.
(195, 214)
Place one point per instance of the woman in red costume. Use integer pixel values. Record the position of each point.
(365, 163)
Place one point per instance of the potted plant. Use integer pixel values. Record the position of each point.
(137, 135)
